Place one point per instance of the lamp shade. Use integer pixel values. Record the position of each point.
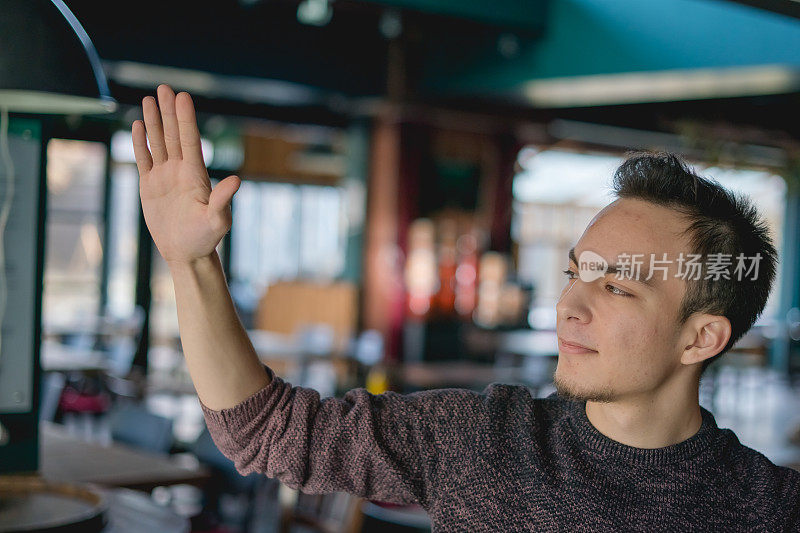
(47, 61)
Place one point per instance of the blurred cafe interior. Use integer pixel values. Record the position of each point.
(414, 174)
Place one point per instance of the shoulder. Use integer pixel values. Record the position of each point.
(494, 398)
(497, 404)
(753, 467)
(774, 489)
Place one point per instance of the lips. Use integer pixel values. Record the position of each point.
(573, 347)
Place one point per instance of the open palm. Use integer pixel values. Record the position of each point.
(186, 218)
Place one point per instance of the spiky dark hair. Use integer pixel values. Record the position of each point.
(720, 221)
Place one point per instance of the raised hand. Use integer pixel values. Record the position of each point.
(186, 218)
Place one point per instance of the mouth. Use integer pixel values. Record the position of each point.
(571, 348)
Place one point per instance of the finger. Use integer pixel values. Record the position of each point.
(144, 161)
(172, 137)
(152, 122)
(222, 195)
(187, 124)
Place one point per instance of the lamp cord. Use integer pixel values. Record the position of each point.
(5, 155)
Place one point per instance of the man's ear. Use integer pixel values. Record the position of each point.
(706, 336)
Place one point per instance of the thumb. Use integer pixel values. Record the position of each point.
(221, 196)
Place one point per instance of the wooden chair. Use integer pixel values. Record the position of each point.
(291, 307)
(321, 318)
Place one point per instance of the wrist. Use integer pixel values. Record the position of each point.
(197, 263)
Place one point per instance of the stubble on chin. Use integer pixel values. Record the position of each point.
(570, 390)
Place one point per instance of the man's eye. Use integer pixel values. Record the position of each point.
(570, 274)
(614, 290)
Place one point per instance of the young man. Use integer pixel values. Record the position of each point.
(622, 446)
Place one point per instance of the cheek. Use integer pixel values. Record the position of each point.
(627, 329)
(636, 344)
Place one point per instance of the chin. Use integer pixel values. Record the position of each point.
(573, 388)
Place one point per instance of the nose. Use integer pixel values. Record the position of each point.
(572, 304)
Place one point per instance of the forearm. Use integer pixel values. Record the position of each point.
(221, 359)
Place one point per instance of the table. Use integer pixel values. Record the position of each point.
(31, 503)
(446, 374)
(523, 342)
(271, 344)
(130, 511)
(525, 357)
(65, 457)
(531, 343)
(535, 373)
(286, 355)
(56, 357)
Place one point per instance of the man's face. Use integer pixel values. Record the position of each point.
(630, 326)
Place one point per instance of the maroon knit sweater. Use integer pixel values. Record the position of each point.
(501, 460)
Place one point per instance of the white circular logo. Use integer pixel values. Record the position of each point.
(591, 266)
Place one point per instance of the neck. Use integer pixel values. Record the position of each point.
(653, 420)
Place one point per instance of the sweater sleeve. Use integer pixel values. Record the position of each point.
(787, 498)
(386, 447)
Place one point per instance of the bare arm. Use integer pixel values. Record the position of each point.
(187, 220)
(221, 359)
(389, 447)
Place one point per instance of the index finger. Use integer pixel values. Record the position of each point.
(144, 161)
(187, 125)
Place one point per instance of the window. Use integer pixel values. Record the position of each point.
(285, 231)
(556, 194)
(123, 242)
(74, 249)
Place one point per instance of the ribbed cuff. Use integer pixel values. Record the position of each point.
(248, 408)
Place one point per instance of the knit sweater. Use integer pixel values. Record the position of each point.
(502, 460)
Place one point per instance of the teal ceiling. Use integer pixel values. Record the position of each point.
(601, 37)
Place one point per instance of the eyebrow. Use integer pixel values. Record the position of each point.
(614, 269)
